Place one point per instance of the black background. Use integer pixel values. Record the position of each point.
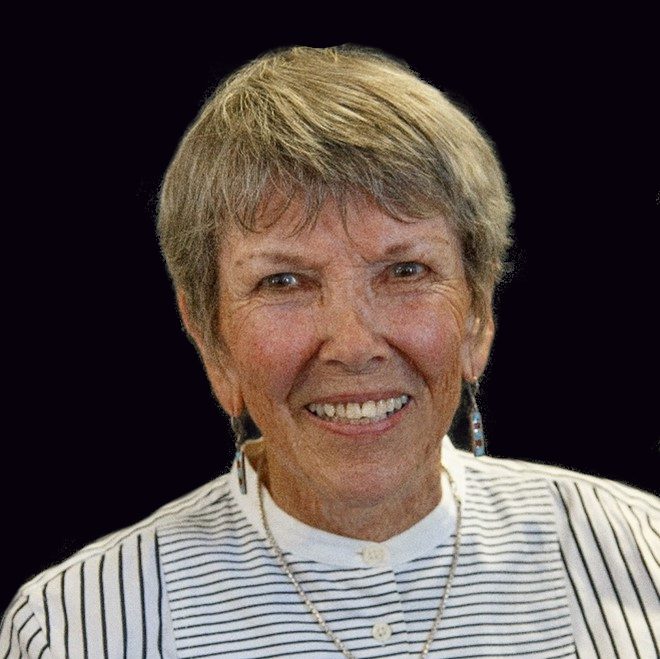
(108, 413)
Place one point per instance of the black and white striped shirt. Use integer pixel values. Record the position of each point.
(552, 564)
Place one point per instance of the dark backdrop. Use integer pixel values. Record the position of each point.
(108, 411)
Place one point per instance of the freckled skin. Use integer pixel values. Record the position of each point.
(347, 321)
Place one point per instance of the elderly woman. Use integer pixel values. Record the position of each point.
(334, 228)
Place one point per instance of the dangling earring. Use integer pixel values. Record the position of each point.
(240, 435)
(477, 437)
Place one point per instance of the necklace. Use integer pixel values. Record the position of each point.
(317, 614)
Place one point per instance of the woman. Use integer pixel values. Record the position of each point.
(334, 228)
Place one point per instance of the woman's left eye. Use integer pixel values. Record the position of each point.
(279, 280)
(408, 269)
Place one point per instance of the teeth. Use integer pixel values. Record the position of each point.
(370, 410)
(353, 410)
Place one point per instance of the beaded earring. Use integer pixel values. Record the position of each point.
(477, 437)
(240, 436)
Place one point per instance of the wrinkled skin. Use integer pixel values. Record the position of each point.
(373, 308)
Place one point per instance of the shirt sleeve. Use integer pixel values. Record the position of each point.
(21, 634)
(106, 601)
(611, 548)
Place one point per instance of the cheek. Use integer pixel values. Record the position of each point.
(271, 351)
(430, 336)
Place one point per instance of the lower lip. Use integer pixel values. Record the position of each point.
(362, 429)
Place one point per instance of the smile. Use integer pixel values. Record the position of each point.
(359, 413)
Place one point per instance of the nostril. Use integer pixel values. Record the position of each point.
(352, 336)
(354, 354)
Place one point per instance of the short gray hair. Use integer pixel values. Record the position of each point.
(334, 122)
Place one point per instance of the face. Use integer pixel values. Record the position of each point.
(348, 345)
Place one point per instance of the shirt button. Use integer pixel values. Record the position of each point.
(374, 554)
(381, 631)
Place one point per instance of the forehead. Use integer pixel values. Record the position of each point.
(360, 227)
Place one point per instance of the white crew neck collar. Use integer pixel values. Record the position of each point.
(306, 542)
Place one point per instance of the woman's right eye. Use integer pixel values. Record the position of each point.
(279, 280)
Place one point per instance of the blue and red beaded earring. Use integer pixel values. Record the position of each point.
(477, 437)
(240, 436)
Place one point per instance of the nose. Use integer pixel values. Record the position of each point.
(352, 331)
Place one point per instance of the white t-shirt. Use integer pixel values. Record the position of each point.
(551, 564)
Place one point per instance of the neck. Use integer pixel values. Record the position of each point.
(373, 521)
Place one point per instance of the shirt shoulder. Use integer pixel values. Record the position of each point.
(106, 599)
(596, 518)
(563, 480)
(608, 540)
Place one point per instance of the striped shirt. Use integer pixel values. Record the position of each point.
(551, 564)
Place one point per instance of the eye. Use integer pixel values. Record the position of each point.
(279, 280)
(408, 269)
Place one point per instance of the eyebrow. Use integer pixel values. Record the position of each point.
(301, 261)
(409, 246)
(272, 256)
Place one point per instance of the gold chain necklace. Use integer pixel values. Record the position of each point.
(317, 614)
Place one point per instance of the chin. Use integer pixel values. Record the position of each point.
(367, 484)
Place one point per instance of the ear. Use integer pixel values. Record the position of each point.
(217, 364)
(476, 345)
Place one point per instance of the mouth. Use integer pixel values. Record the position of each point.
(359, 413)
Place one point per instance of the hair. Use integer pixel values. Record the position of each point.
(341, 122)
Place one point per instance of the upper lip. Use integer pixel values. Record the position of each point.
(359, 397)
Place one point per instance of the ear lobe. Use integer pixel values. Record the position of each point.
(477, 345)
(224, 384)
(219, 371)
(184, 312)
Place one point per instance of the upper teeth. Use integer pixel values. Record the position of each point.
(370, 409)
